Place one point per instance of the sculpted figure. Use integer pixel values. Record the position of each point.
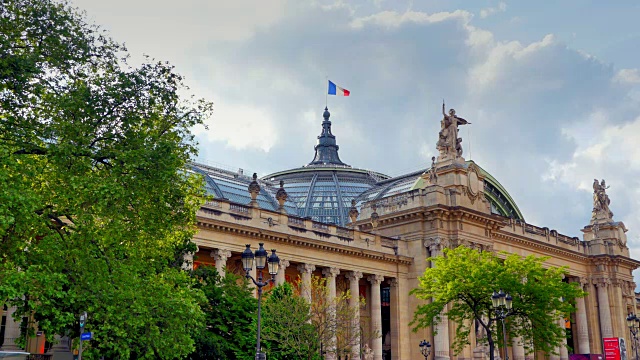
(433, 177)
(601, 200)
(448, 140)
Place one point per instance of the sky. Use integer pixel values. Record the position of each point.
(552, 88)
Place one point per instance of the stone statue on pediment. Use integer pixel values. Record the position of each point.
(601, 202)
(449, 144)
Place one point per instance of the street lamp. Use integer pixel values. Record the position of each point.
(503, 305)
(425, 349)
(261, 260)
(633, 322)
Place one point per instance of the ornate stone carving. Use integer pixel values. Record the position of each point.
(221, 255)
(375, 218)
(601, 212)
(393, 282)
(601, 282)
(375, 280)
(281, 196)
(353, 275)
(353, 212)
(254, 189)
(330, 272)
(433, 176)
(473, 183)
(284, 263)
(306, 268)
(449, 144)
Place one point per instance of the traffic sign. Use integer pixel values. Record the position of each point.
(86, 336)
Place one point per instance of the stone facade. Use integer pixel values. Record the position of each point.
(383, 250)
(389, 249)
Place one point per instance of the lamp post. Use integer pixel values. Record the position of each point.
(261, 260)
(633, 322)
(425, 349)
(502, 305)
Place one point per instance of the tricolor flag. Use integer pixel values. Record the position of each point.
(337, 90)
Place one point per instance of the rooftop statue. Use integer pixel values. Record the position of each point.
(601, 202)
(449, 144)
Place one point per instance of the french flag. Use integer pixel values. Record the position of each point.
(337, 90)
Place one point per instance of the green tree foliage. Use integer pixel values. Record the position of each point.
(286, 326)
(296, 329)
(96, 209)
(462, 281)
(230, 313)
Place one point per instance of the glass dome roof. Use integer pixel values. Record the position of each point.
(324, 188)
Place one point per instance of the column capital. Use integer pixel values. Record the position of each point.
(375, 279)
(221, 254)
(306, 268)
(284, 263)
(601, 282)
(353, 275)
(393, 282)
(330, 272)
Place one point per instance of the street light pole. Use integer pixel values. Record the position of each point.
(83, 321)
(633, 322)
(425, 349)
(503, 306)
(261, 259)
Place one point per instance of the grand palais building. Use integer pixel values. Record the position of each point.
(370, 233)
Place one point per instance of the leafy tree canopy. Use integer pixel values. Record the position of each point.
(96, 208)
(461, 283)
(286, 325)
(230, 313)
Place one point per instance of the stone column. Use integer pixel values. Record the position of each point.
(376, 315)
(604, 311)
(517, 348)
(11, 331)
(564, 354)
(400, 317)
(280, 279)
(221, 256)
(354, 289)
(441, 337)
(305, 274)
(582, 328)
(330, 276)
(187, 261)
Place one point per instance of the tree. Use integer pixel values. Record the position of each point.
(230, 313)
(96, 208)
(286, 325)
(295, 328)
(461, 283)
(340, 326)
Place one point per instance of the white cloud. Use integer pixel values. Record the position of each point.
(628, 76)
(546, 118)
(484, 13)
(240, 126)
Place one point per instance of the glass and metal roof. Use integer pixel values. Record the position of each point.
(224, 184)
(323, 189)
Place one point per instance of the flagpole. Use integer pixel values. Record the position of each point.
(326, 92)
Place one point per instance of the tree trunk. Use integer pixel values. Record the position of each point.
(492, 345)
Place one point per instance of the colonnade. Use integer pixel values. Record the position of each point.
(306, 270)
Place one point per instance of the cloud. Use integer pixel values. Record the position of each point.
(484, 13)
(628, 76)
(547, 118)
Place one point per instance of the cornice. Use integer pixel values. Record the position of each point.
(529, 243)
(437, 211)
(260, 234)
